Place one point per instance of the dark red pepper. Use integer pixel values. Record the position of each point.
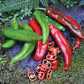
(41, 75)
(31, 75)
(40, 48)
(63, 45)
(47, 63)
(65, 20)
(49, 74)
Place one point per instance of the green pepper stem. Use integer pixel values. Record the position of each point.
(41, 8)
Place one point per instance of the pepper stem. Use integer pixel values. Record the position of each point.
(41, 8)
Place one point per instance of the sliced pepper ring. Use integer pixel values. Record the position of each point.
(47, 63)
(51, 44)
(31, 75)
(49, 73)
(37, 69)
(43, 68)
(41, 75)
(51, 57)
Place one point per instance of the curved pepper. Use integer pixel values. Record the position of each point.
(65, 20)
(9, 43)
(78, 40)
(63, 45)
(40, 48)
(44, 26)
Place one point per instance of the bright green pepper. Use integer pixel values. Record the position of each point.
(44, 26)
(23, 55)
(9, 43)
(27, 47)
(21, 35)
(52, 21)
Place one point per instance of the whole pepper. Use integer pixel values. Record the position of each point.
(27, 47)
(44, 26)
(40, 48)
(63, 45)
(9, 43)
(52, 21)
(78, 40)
(65, 20)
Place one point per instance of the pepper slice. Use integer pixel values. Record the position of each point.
(51, 44)
(41, 75)
(51, 57)
(31, 75)
(47, 63)
(37, 69)
(49, 74)
(43, 68)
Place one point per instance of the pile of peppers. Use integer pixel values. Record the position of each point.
(43, 24)
(45, 69)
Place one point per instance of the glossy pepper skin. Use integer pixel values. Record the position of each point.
(78, 43)
(27, 47)
(65, 20)
(78, 40)
(44, 26)
(40, 48)
(52, 21)
(9, 43)
(63, 45)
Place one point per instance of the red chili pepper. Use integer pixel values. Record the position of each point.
(31, 75)
(63, 45)
(51, 57)
(47, 63)
(78, 43)
(65, 20)
(41, 75)
(49, 74)
(43, 68)
(54, 67)
(37, 69)
(40, 48)
(55, 62)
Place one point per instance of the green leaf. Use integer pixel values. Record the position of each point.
(44, 2)
(81, 3)
(54, 1)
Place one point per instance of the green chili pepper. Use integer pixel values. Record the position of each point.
(28, 47)
(21, 35)
(52, 21)
(44, 26)
(9, 43)
(22, 55)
